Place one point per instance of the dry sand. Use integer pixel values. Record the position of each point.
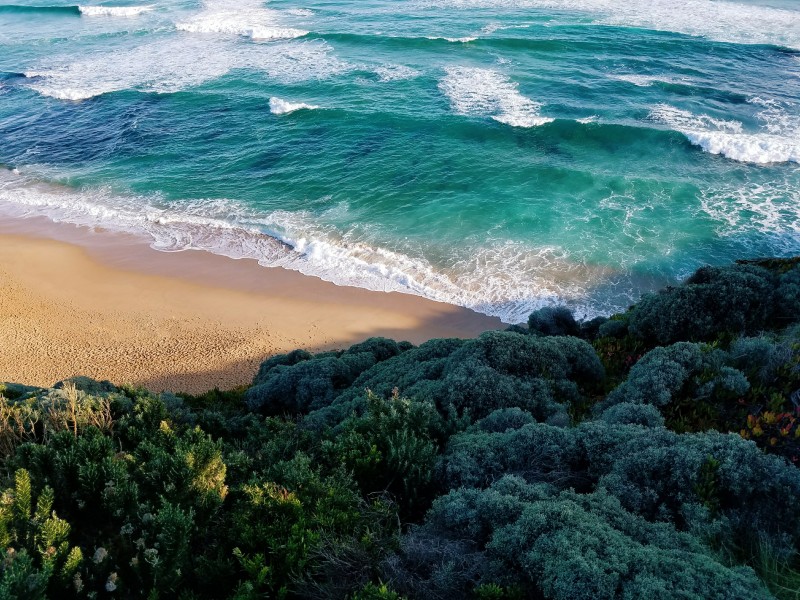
(81, 302)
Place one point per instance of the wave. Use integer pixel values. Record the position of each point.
(643, 80)
(734, 22)
(460, 40)
(76, 10)
(170, 65)
(56, 10)
(780, 142)
(476, 91)
(255, 22)
(283, 107)
(682, 86)
(113, 11)
(506, 279)
(256, 32)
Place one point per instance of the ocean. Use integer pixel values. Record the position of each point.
(500, 155)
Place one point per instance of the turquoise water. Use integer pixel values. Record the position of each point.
(496, 154)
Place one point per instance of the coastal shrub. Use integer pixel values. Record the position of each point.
(501, 420)
(763, 358)
(683, 370)
(537, 452)
(590, 330)
(555, 545)
(473, 378)
(613, 328)
(376, 592)
(715, 300)
(280, 360)
(37, 555)
(664, 476)
(520, 464)
(299, 382)
(553, 320)
(788, 296)
(588, 546)
(628, 413)
(39, 414)
(303, 523)
(389, 449)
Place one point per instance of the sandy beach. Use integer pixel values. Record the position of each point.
(75, 301)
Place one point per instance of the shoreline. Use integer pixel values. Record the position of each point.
(81, 301)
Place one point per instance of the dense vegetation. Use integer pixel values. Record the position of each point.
(650, 455)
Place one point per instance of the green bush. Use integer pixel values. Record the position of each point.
(553, 320)
(683, 372)
(715, 300)
(298, 382)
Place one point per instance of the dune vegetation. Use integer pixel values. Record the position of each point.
(653, 454)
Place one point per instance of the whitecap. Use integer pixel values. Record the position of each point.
(454, 40)
(283, 107)
(171, 64)
(239, 18)
(777, 144)
(113, 11)
(235, 24)
(476, 91)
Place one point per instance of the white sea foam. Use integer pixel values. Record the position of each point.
(505, 279)
(233, 25)
(283, 107)
(475, 91)
(492, 27)
(585, 120)
(249, 19)
(113, 11)
(642, 80)
(396, 72)
(779, 143)
(736, 22)
(258, 25)
(300, 12)
(455, 40)
(172, 64)
(771, 209)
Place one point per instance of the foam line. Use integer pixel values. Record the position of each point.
(506, 279)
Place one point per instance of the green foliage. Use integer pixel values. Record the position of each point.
(544, 376)
(628, 413)
(687, 381)
(553, 320)
(588, 546)
(492, 591)
(38, 555)
(376, 592)
(536, 452)
(299, 382)
(503, 419)
(390, 449)
(521, 464)
(736, 299)
(37, 415)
